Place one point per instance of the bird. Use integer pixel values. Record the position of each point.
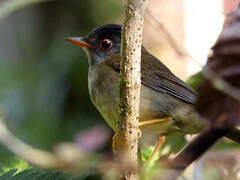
(166, 102)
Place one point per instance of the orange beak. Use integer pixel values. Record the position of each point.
(79, 41)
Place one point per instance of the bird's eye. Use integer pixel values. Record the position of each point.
(106, 44)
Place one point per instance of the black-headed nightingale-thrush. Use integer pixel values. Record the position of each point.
(166, 102)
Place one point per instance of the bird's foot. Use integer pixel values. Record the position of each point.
(161, 140)
(154, 155)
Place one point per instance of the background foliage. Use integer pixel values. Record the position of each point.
(43, 78)
(43, 92)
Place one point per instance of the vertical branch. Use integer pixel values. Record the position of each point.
(125, 141)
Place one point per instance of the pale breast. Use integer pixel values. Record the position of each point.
(104, 92)
(103, 89)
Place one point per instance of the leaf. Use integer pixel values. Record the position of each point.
(195, 80)
(174, 143)
(43, 174)
(146, 152)
(10, 161)
(8, 174)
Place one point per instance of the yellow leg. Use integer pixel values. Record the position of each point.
(160, 142)
(149, 163)
(154, 121)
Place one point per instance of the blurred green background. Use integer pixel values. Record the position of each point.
(43, 91)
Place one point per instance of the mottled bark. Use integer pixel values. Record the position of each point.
(125, 142)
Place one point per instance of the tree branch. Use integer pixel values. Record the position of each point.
(125, 141)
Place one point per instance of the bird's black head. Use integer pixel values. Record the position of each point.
(100, 43)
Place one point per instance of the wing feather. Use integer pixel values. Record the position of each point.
(158, 77)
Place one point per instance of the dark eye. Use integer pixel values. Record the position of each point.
(106, 44)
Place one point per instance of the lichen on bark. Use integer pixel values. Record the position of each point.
(125, 141)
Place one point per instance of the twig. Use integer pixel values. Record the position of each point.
(67, 157)
(220, 84)
(125, 142)
(30, 154)
(192, 151)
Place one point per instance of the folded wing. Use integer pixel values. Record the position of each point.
(158, 77)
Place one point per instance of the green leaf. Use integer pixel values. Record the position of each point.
(8, 174)
(43, 174)
(195, 80)
(10, 161)
(174, 143)
(146, 152)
